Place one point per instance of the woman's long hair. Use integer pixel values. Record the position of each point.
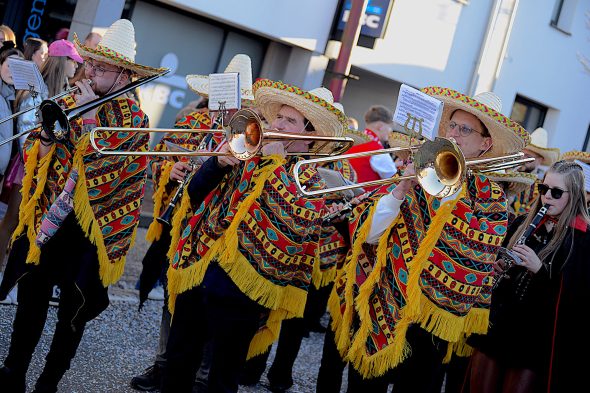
(54, 75)
(31, 46)
(576, 207)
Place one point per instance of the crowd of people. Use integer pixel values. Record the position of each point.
(477, 289)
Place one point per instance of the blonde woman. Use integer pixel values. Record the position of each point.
(536, 334)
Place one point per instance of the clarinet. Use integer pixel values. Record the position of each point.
(166, 217)
(509, 257)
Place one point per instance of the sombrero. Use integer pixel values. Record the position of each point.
(316, 105)
(539, 144)
(358, 136)
(117, 48)
(518, 181)
(507, 136)
(586, 169)
(398, 139)
(240, 64)
(576, 155)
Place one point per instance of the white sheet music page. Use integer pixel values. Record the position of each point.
(26, 75)
(420, 106)
(224, 88)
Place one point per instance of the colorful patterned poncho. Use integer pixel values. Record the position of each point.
(109, 190)
(432, 267)
(261, 233)
(333, 246)
(164, 189)
(523, 202)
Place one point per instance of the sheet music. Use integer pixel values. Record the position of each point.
(421, 106)
(224, 87)
(26, 75)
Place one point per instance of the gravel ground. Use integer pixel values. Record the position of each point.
(121, 342)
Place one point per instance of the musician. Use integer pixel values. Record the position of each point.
(544, 157)
(418, 276)
(534, 341)
(245, 261)
(378, 127)
(78, 215)
(166, 174)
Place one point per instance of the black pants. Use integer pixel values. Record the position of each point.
(331, 366)
(70, 261)
(217, 311)
(421, 372)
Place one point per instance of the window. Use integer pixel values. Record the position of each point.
(563, 15)
(528, 114)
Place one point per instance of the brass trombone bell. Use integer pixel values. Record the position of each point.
(439, 164)
(244, 134)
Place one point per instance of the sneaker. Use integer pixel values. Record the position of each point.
(149, 380)
(157, 293)
(54, 301)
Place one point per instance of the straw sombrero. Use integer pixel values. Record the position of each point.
(240, 64)
(507, 136)
(316, 105)
(518, 181)
(539, 144)
(576, 155)
(117, 48)
(359, 137)
(586, 169)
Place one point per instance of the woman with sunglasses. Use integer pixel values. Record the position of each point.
(534, 335)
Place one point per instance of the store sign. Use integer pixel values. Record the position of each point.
(373, 21)
(168, 90)
(34, 19)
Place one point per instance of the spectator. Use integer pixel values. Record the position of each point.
(353, 123)
(36, 50)
(6, 34)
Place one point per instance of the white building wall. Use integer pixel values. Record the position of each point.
(429, 42)
(541, 63)
(303, 23)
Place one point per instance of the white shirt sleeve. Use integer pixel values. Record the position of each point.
(386, 211)
(384, 166)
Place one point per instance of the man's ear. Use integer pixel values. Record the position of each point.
(486, 144)
(125, 78)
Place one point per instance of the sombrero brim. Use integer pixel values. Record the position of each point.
(576, 155)
(200, 85)
(550, 155)
(519, 181)
(270, 96)
(113, 59)
(507, 136)
(358, 136)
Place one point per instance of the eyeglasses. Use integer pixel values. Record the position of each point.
(98, 70)
(463, 129)
(556, 193)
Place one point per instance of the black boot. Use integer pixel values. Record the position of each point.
(149, 380)
(48, 381)
(12, 382)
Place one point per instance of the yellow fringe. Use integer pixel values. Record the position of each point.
(321, 279)
(177, 217)
(155, 230)
(110, 271)
(28, 205)
(225, 250)
(459, 348)
(267, 335)
(342, 323)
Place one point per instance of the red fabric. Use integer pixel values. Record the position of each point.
(362, 165)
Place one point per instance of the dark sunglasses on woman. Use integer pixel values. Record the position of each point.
(556, 193)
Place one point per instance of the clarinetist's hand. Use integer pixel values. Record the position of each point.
(500, 266)
(333, 210)
(179, 171)
(530, 260)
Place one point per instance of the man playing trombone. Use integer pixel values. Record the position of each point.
(78, 214)
(418, 277)
(245, 261)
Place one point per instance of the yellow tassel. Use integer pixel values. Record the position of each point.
(177, 223)
(155, 230)
(323, 278)
(267, 335)
(110, 271)
(342, 333)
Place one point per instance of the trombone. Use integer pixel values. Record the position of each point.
(245, 135)
(440, 167)
(55, 120)
(55, 97)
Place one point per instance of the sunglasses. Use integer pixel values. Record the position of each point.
(556, 193)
